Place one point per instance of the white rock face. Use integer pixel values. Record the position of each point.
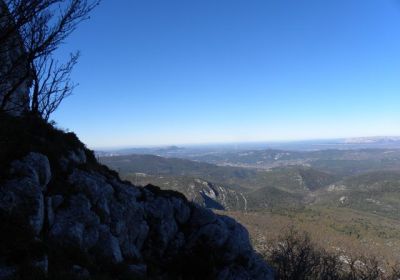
(343, 199)
(333, 188)
(214, 196)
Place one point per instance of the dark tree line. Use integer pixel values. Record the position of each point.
(32, 30)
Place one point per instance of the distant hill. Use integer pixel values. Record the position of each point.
(337, 162)
(373, 140)
(376, 192)
(224, 187)
(160, 166)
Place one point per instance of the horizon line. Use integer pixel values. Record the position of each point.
(122, 147)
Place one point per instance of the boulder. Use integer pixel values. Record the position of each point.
(23, 197)
(35, 166)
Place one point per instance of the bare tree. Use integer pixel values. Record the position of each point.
(51, 84)
(40, 26)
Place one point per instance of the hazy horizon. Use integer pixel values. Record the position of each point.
(171, 72)
(232, 143)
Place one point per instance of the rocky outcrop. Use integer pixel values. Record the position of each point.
(71, 206)
(207, 194)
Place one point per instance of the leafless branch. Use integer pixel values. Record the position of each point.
(32, 31)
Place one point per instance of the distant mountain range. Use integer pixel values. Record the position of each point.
(373, 140)
(187, 151)
(269, 179)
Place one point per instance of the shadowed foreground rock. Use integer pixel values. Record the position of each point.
(75, 219)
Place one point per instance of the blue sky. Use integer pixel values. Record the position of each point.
(156, 72)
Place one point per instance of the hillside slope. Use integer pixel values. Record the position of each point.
(376, 192)
(224, 187)
(160, 166)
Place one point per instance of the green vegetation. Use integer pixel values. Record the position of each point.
(365, 180)
(160, 166)
(376, 192)
(279, 187)
(345, 199)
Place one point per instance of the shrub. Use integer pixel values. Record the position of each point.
(295, 257)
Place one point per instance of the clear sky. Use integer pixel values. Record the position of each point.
(157, 72)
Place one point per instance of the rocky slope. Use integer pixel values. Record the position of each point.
(65, 216)
(204, 193)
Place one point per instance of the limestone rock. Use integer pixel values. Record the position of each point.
(34, 166)
(154, 233)
(108, 246)
(23, 194)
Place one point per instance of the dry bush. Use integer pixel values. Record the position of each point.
(295, 257)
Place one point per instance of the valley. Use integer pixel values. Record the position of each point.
(347, 200)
